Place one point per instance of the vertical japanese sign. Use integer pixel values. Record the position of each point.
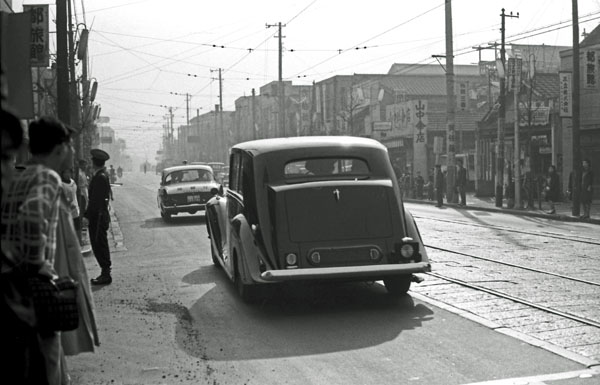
(420, 122)
(462, 96)
(39, 34)
(515, 67)
(591, 61)
(565, 94)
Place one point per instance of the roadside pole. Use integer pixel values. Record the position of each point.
(517, 152)
(450, 106)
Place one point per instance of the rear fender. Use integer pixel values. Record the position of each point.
(413, 232)
(216, 213)
(247, 253)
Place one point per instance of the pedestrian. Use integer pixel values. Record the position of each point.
(461, 182)
(70, 192)
(587, 191)
(98, 216)
(430, 186)
(30, 219)
(552, 189)
(113, 174)
(82, 197)
(69, 262)
(23, 362)
(438, 179)
(419, 183)
(120, 172)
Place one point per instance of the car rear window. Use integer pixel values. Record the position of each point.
(319, 167)
(183, 176)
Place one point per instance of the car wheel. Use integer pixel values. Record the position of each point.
(248, 293)
(215, 259)
(398, 285)
(166, 216)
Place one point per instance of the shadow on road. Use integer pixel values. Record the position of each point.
(292, 320)
(183, 220)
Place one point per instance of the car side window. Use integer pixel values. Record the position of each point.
(234, 176)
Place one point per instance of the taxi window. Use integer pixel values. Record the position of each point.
(320, 167)
(183, 176)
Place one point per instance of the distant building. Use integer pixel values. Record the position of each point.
(589, 86)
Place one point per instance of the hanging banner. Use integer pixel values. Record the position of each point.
(565, 94)
(39, 34)
(591, 61)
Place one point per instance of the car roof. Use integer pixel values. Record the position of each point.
(188, 167)
(263, 146)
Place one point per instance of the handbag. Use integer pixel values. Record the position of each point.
(55, 303)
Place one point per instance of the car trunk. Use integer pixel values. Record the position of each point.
(344, 221)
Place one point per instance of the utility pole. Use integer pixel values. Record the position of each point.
(281, 92)
(451, 106)
(62, 63)
(501, 116)
(576, 183)
(255, 134)
(517, 153)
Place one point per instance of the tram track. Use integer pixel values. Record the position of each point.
(547, 234)
(522, 301)
(515, 265)
(517, 299)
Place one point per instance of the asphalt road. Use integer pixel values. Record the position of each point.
(171, 317)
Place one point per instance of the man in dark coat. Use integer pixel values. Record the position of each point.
(438, 181)
(461, 182)
(98, 216)
(587, 192)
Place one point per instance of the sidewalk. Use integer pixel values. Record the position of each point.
(563, 209)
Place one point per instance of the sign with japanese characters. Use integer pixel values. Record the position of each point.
(515, 67)
(565, 94)
(420, 120)
(420, 115)
(591, 62)
(399, 114)
(39, 34)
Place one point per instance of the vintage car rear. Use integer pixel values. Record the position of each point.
(324, 208)
(185, 189)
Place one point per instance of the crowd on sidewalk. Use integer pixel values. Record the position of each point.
(543, 196)
(44, 207)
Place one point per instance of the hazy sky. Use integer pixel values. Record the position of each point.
(142, 51)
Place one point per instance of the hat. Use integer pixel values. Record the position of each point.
(99, 154)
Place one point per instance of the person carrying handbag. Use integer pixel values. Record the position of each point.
(30, 208)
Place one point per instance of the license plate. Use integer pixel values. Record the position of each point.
(193, 198)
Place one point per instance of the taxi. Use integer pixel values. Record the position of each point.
(185, 189)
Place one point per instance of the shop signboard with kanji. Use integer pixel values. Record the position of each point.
(565, 94)
(39, 46)
(591, 62)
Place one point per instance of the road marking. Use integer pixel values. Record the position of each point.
(539, 379)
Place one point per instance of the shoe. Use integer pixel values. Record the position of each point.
(552, 212)
(102, 279)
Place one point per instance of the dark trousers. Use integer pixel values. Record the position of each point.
(463, 194)
(439, 194)
(98, 227)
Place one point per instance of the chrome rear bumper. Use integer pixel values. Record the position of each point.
(372, 271)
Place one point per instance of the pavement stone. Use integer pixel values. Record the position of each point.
(563, 209)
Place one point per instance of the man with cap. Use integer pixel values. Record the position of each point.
(98, 216)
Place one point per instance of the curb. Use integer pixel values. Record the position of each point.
(556, 217)
(565, 353)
